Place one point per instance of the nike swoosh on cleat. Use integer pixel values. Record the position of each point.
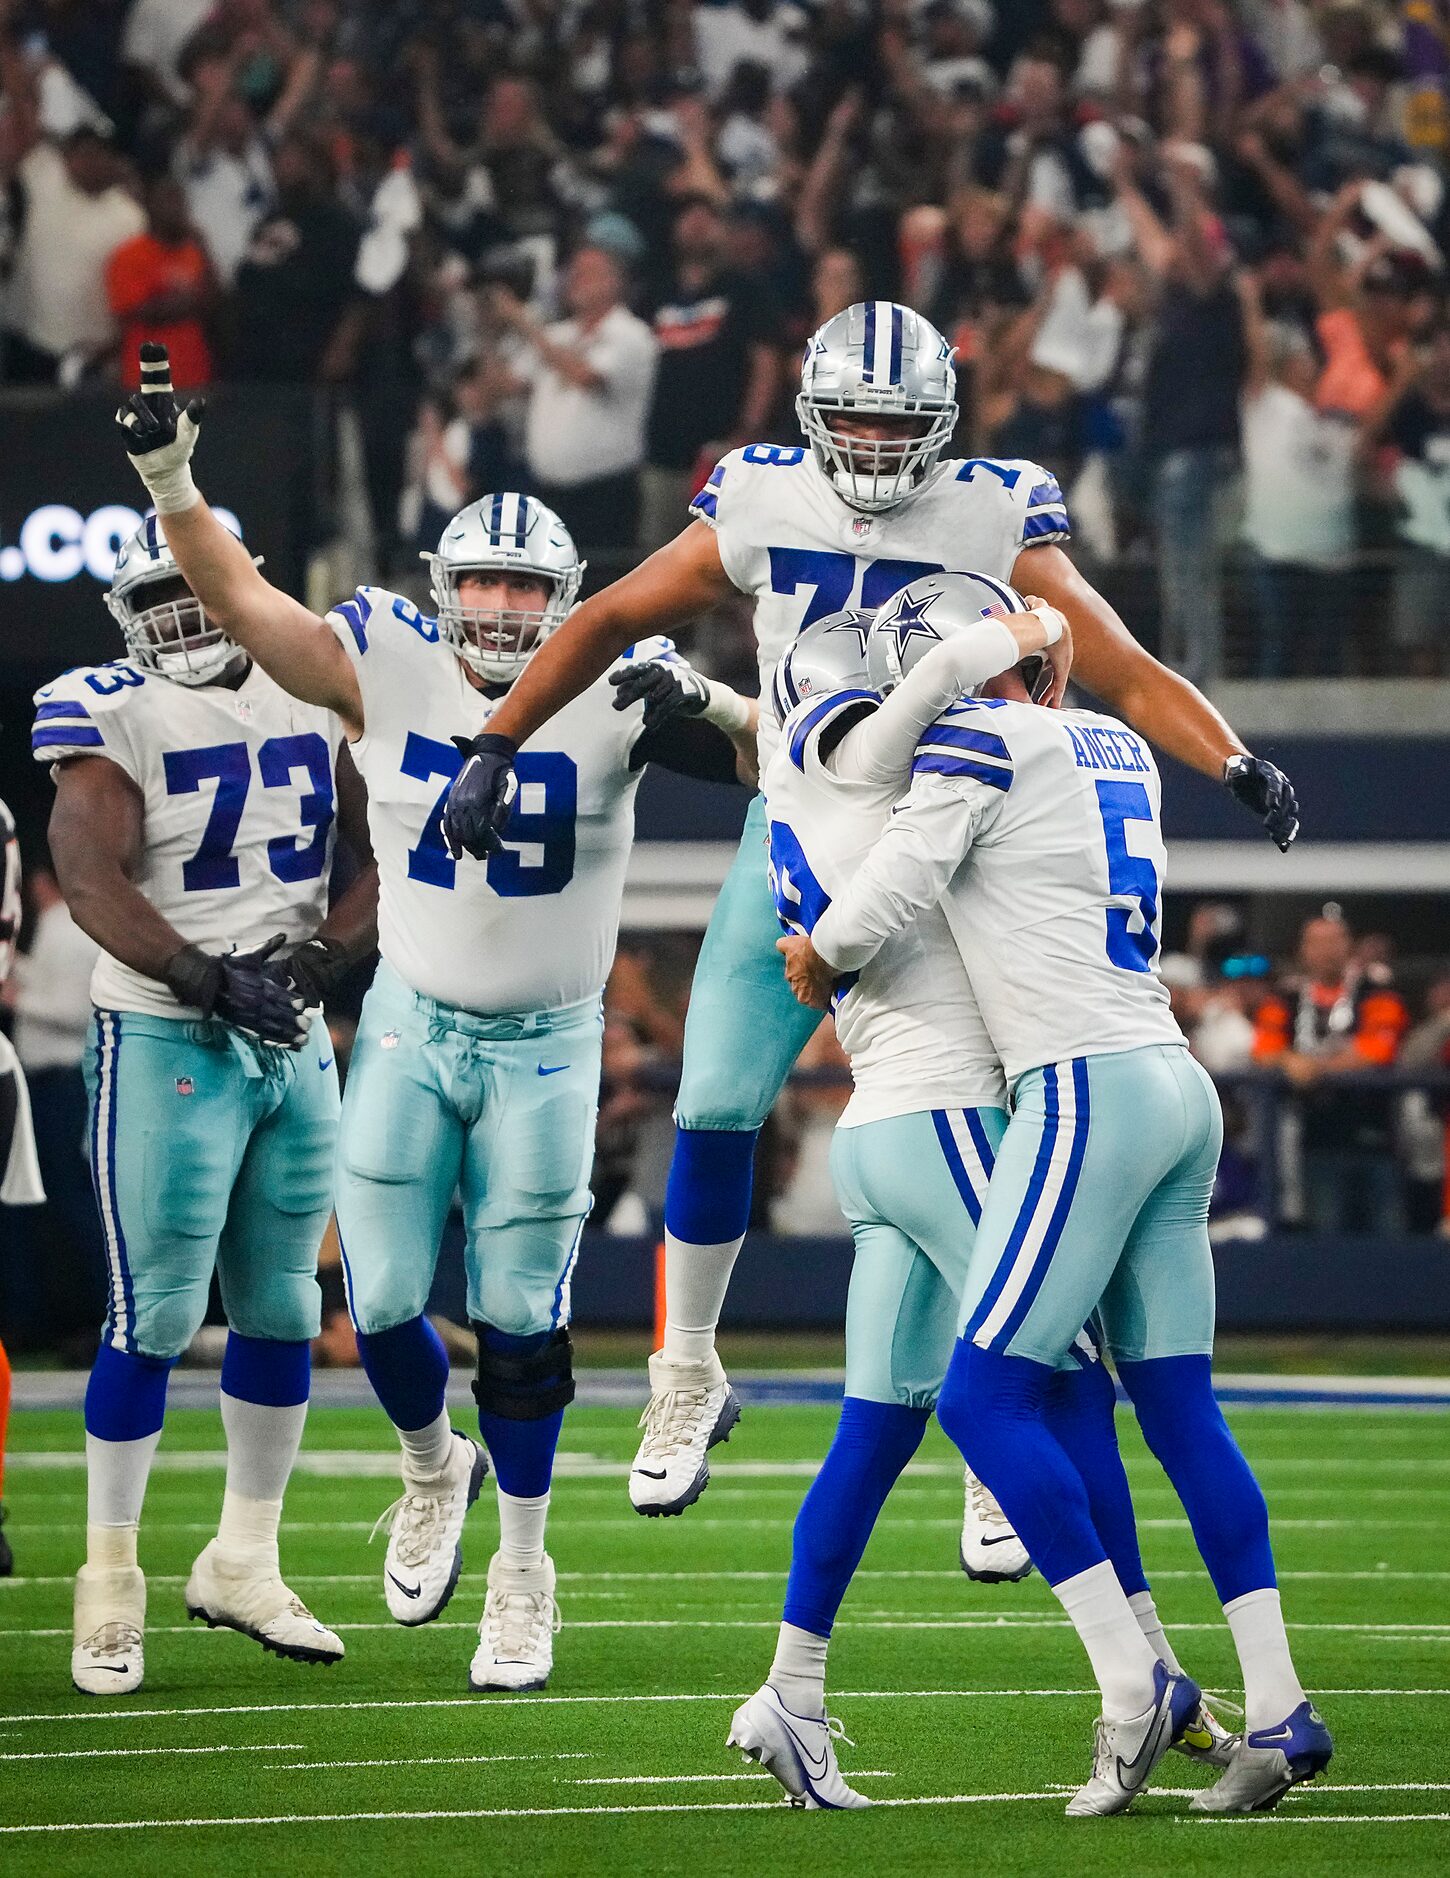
(116, 1669)
(1007, 1538)
(408, 1591)
(555, 1071)
(1150, 1741)
(650, 1473)
(815, 1764)
(1266, 1737)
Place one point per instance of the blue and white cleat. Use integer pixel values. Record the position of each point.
(1126, 1752)
(800, 1750)
(1267, 1762)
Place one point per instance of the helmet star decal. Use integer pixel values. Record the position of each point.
(911, 621)
(857, 623)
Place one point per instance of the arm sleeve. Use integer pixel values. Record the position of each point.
(688, 746)
(907, 872)
(881, 747)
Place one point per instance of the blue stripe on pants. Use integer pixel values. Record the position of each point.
(1025, 1212)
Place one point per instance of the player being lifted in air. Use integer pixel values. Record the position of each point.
(915, 1146)
(476, 1066)
(1036, 833)
(193, 833)
(868, 504)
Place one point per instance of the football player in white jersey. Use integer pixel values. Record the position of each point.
(869, 503)
(1036, 833)
(193, 833)
(912, 1155)
(476, 1067)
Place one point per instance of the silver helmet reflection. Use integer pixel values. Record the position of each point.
(161, 619)
(830, 655)
(923, 614)
(877, 359)
(500, 535)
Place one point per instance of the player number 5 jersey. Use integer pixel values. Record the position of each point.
(239, 805)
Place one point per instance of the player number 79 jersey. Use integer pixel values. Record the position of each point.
(533, 927)
(909, 1020)
(239, 805)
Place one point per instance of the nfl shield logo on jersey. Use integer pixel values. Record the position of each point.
(185, 1086)
(861, 527)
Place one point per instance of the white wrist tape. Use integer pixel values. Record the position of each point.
(172, 490)
(727, 710)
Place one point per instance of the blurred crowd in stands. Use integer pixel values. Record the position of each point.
(1335, 1072)
(1190, 253)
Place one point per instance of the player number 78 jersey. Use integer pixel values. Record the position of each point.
(789, 541)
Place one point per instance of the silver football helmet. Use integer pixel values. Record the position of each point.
(503, 534)
(921, 615)
(172, 638)
(830, 655)
(877, 359)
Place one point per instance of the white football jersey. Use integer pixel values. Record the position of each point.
(239, 806)
(1057, 905)
(788, 539)
(908, 1022)
(532, 928)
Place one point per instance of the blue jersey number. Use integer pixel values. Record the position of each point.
(214, 866)
(800, 899)
(550, 828)
(1007, 477)
(832, 576)
(115, 678)
(1129, 875)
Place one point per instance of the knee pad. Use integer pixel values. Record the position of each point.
(523, 1385)
(287, 1310)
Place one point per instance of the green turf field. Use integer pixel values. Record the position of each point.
(969, 1706)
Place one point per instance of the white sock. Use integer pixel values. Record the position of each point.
(248, 1528)
(1272, 1691)
(521, 1529)
(426, 1450)
(1143, 1608)
(1120, 1654)
(116, 1475)
(696, 1280)
(262, 1444)
(798, 1674)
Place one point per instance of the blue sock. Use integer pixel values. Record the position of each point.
(1184, 1426)
(1079, 1417)
(992, 1408)
(873, 1442)
(408, 1369)
(126, 1395)
(522, 1451)
(258, 1369)
(707, 1197)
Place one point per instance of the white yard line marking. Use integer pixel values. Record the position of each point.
(564, 1515)
(674, 1780)
(98, 1754)
(1306, 1819)
(411, 1760)
(483, 1705)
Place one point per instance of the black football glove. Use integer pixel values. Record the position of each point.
(238, 989)
(159, 436)
(314, 968)
(1266, 792)
(667, 687)
(481, 796)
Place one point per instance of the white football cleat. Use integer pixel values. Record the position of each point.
(691, 1407)
(1205, 1738)
(425, 1549)
(991, 1553)
(248, 1595)
(1267, 1762)
(1126, 1752)
(520, 1619)
(800, 1750)
(110, 1620)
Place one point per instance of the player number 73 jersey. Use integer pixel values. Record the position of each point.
(908, 1021)
(789, 541)
(239, 805)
